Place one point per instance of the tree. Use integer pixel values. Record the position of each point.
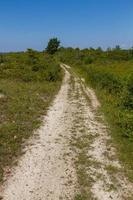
(53, 45)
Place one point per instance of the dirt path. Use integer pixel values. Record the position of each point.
(70, 157)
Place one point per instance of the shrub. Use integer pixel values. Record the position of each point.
(88, 60)
(128, 94)
(30, 66)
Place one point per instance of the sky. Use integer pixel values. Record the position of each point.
(77, 23)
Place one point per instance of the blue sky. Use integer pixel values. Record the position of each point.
(78, 23)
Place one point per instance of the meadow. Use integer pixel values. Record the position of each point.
(110, 73)
(28, 83)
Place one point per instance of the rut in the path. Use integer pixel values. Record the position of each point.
(68, 159)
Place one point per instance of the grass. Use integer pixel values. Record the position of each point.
(119, 117)
(80, 144)
(111, 75)
(79, 197)
(81, 164)
(23, 105)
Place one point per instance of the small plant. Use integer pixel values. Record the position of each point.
(79, 197)
(88, 60)
(128, 93)
(1, 59)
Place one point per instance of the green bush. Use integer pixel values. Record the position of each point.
(88, 60)
(128, 93)
(30, 66)
(102, 79)
(53, 74)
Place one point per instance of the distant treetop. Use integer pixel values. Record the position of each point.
(53, 45)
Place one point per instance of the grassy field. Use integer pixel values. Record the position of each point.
(28, 83)
(30, 80)
(111, 75)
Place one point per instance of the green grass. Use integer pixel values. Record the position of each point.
(24, 104)
(117, 106)
(111, 75)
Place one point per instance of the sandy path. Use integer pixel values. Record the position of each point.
(48, 170)
(42, 172)
(1, 95)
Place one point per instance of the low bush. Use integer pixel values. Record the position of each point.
(31, 67)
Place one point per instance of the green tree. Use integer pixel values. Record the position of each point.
(53, 45)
